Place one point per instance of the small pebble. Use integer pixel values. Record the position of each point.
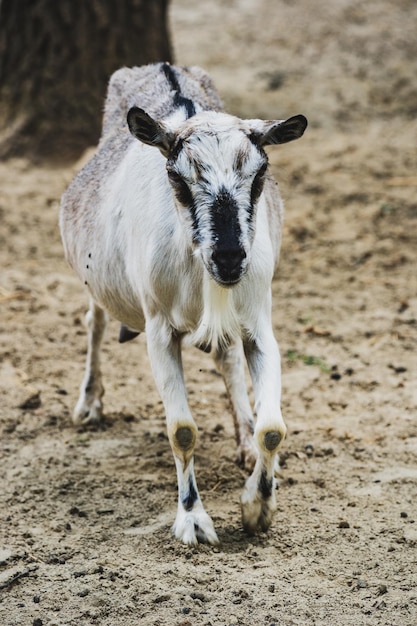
(36, 599)
(403, 514)
(361, 584)
(198, 596)
(37, 621)
(344, 524)
(382, 589)
(309, 449)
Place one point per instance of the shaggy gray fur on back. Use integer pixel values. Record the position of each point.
(148, 88)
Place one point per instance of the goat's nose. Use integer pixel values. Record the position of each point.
(228, 259)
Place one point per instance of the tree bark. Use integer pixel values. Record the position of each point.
(56, 57)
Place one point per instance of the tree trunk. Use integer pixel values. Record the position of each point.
(56, 57)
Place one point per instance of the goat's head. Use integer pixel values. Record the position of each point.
(216, 166)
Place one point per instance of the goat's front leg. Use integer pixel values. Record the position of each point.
(89, 406)
(192, 524)
(230, 362)
(258, 498)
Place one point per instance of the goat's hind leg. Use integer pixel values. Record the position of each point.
(258, 498)
(88, 409)
(230, 362)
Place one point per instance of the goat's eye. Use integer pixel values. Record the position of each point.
(181, 189)
(258, 184)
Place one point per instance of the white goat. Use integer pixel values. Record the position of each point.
(178, 235)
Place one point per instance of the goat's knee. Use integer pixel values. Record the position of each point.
(269, 439)
(183, 437)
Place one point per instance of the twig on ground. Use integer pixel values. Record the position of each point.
(18, 576)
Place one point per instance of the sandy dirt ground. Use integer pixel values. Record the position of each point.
(85, 515)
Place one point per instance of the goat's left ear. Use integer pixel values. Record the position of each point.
(281, 131)
(149, 131)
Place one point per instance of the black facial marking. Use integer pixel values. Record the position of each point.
(183, 195)
(190, 498)
(265, 486)
(254, 139)
(258, 184)
(181, 189)
(173, 155)
(225, 223)
(179, 99)
(240, 158)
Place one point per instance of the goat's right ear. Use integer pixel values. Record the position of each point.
(149, 131)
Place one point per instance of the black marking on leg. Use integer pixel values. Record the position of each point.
(185, 438)
(265, 486)
(89, 386)
(190, 498)
(126, 335)
(272, 440)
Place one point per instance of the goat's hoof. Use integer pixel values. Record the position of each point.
(246, 456)
(87, 413)
(258, 504)
(194, 527)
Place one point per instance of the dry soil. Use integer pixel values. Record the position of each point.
(85, 515)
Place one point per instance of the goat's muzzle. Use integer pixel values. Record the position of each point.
(228, 265)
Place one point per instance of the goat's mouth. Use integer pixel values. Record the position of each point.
(226, 278)
(227, 283)
(227, 266)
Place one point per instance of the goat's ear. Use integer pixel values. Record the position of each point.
(146, 129)
(281, 131)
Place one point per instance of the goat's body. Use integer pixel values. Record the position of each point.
(129, 242)
(131, 265)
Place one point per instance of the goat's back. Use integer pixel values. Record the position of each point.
(153, 88)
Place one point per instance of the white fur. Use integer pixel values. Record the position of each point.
(219, 324)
